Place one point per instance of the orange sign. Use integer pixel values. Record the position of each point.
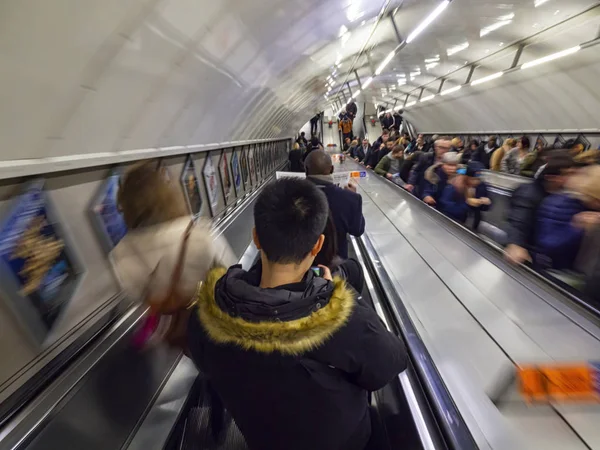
(561, 382)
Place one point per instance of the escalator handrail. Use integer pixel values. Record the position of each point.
(451, 420)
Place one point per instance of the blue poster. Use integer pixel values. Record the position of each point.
(107, 214)
(34, 259)
(235, 168)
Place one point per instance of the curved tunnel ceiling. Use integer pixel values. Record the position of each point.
(83, 77)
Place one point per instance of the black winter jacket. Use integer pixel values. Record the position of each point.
(293, 364)
(295, 161)
(346, 211)
(522, 213)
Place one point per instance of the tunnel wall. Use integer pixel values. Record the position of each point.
(561, 95)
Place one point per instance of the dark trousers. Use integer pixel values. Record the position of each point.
(314, 127)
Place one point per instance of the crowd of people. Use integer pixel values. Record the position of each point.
(553, 222)
(287, 346)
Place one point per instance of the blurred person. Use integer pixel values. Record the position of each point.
(313, 145)
(387, 121)
(295, 159)
(484, 152)
(385, 136)
(361, 152)
(289, 350)
(417, 146)
(469, 151)
(564, 217)
(524, 203)
(164, 253)
(514, 159)
(345, 205)
(302, 140)
(416, 177)
(372, 158)
(351, 110)
(352, 150)
(391, 164)
(347, 144)
(436, 176)
(498, 155)
(345, 126)
(587, 158)
(458, 146)
(478, 197)
(314, 124)
(450, 192)
(397, 120)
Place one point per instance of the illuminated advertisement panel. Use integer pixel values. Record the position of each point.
(39, 269)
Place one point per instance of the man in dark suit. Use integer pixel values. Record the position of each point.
(345, 205)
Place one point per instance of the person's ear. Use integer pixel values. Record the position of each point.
(318, 246)
(255, 238)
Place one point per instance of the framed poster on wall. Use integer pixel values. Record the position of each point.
(226, 184)
(106, 216)
(244, 167)
(251, 167)
(209, 174)
(191, 186)
(236, 173)
(39, 269)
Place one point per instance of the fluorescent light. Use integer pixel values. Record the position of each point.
(431, 65)
(436, 58)
(367, 83)
(401, 82)
(343, 31)
(408, 105)
(397, 108)
(457, 48)
(510, 16)
(436, 12)
(539, 3)
(451, 90)
(551, 57)
(488, 78)
(345, 38)
(385, 62)
(356, 94)
(487, 30)
(325, 96)
(426, 99)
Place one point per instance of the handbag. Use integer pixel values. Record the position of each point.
(169, 311)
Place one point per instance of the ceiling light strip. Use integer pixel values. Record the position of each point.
(552, 57)
(430, 18)
(488, 78)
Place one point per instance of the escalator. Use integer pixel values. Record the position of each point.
(115, 397)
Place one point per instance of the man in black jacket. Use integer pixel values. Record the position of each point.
(351, 110)
(524, 204)
(345, 205)
(292, 354)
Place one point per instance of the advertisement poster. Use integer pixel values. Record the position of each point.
(225, 178)
(191, 186)
(251, 174)
(244, 165)
(38, 271)
(235, 170)
(106, 214)
(210, 182)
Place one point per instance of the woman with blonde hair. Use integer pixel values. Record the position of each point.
(498, 155)
(165, 253)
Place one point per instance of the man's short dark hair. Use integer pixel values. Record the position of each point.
(525, 142)
(302, 134)
(289, 216)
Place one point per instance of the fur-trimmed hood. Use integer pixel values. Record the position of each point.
(291, 320)
(431, 174)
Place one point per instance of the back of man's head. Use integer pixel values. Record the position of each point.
(318, 163)
(289, 217)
